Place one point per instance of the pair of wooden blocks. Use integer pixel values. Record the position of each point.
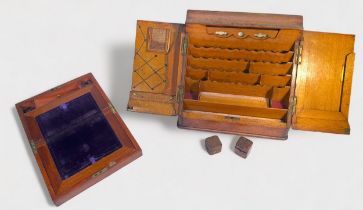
(242, 148)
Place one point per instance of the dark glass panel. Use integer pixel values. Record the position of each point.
(77, 134)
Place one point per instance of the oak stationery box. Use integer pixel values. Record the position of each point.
(243, 73)
(77, 136)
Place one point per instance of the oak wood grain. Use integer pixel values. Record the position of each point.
(322, 77)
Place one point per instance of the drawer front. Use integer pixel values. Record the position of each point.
(242, 38)
(245, 126)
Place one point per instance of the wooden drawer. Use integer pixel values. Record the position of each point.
(242, 38)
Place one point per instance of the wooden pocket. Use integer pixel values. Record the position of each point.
(211, 63)
(244, 78)
(277, 81)
(270, 68)
(235, 53)
(236, 89)
(251, 39)
(191, 88)
(229, 99)
(280, 98)
(280, 94)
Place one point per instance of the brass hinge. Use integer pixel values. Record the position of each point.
(299, 57)
(111, 107)
(34, 146)
(184, 46)
(294, 105)
(179, 95)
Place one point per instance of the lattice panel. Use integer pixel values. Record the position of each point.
(150, 64)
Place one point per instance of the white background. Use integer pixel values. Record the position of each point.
(46, 43)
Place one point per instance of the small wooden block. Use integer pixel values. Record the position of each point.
(243, 147)
(213, 145)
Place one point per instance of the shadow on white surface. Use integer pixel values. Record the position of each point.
(31, 157)
(121, 58)
(202, 144)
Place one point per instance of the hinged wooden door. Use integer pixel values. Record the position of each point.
(323, 83)
(156, 66)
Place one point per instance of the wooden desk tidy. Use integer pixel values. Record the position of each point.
(243, 73)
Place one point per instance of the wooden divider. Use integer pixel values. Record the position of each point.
(234, 109)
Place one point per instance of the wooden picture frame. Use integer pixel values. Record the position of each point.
(63, 187)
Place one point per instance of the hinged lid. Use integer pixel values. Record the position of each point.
(155, 70)
(76, 135)
(323, 82)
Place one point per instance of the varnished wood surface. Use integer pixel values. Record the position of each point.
(235, 53)
(257, 59)
(324, 74)
(244, 19)
(203, 36)
(233, 78)
(155, 71)
(231, 127)
(230, 99)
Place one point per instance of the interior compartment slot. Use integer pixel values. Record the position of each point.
(273, 67)
(191, 88)
(270, 68)
(277, 81)
(236, 77)
(211, 63)
(235, 110)
(280, 97)
(229, 99)
(235, 53)
(197, 74)
(237, 89)
(242, 38)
